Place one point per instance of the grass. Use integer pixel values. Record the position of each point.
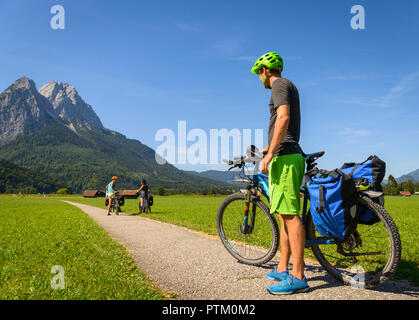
(199, 213)
(404, 212)
(37, 234)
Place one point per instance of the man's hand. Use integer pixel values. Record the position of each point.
(265, 150)
(265, 162)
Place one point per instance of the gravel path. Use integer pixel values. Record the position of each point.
(196, 266)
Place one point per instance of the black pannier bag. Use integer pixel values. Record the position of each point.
(370, 172)
(150, 201)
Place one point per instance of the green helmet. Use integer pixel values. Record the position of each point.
(270, 60)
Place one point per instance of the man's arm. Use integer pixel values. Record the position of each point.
(280, 130)
(281, 127)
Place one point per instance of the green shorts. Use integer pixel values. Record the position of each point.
(285, 177)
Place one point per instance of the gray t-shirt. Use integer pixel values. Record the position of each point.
(284, 92)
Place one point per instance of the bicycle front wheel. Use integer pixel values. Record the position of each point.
(369, 257)
(256, 246)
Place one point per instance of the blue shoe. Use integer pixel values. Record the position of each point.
(289, 286)
(275, 275)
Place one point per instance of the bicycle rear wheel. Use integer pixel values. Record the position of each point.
(369, 257)
(255, 247)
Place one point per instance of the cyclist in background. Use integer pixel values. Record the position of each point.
(143, 190)
(110, 192)
(286, 172)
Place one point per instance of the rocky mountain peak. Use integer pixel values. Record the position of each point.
(69, 106)
(23, 110)
(23, 83)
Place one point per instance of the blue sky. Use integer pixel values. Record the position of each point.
(145, 65)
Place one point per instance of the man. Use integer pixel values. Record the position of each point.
(110, 192)
(286, 172)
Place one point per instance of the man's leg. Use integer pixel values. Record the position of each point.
(296, 237)
(285, 246)
(285, 177)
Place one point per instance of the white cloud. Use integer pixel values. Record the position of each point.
(246, 58)
(405, 85)
(229, 47)
(354, 135)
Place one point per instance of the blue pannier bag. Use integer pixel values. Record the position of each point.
(371, 173)
(333, 203)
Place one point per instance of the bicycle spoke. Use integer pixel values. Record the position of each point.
(251, 244)
(367, 255)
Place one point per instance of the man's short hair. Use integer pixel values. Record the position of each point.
(275, 71)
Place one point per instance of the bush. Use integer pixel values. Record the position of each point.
(161, 191)
(62, 191)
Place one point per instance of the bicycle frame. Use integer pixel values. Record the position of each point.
(144, 200)
(144, 206)
(260, 183)
(115, 202)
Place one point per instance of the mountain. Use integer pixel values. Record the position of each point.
(23, 110)
(69, 106)
(60, 135)
(18, 179)
(223, 176)
(414, 176)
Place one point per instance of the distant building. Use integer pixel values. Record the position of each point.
(405, 193)
(130, 194)
(93, 194)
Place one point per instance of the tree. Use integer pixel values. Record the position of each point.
(409, 186)
(392, 185)
(62, 191)
(161, 191)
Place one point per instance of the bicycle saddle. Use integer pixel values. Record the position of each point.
(314, 155)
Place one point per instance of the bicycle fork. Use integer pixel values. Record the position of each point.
(245, 228)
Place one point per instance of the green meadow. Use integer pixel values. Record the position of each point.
(199, 213)
(37, 234)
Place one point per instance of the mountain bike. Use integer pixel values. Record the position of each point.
(116, 203)
(146, 205)
(250, 233)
